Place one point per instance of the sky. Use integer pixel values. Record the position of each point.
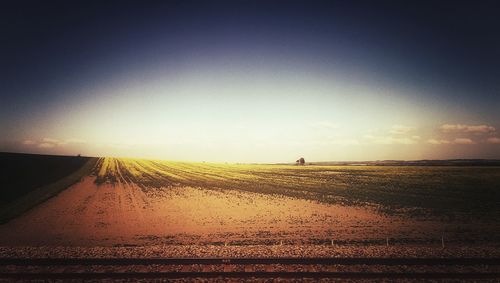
(251, 81)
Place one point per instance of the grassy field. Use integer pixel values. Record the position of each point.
(467, 192)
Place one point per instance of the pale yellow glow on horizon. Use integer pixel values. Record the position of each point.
(227, 116)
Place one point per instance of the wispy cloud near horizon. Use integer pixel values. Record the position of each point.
(401, 130)
(51, 142)
(339, 138)
(493, 140)
(463, 141)
(464, 128)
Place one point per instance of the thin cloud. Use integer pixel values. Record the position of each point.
(75, 141)
(398, 134)
(46, 145)
(400, 130)
(463, 141)
(455, 141)
(464, 128)
(50, 142)
(435, 141)
(493, 140)
(391, 140)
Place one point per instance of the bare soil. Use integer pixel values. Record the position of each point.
(123, 214)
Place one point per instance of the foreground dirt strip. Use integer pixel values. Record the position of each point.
(247, 261)
(249, 275)
(225, 268)
(124, 214)
(254, 251)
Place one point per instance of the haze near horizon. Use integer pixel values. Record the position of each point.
(252, 81)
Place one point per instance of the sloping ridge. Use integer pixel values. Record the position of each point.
(43, 193)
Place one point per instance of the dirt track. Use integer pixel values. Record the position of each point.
(124, 214)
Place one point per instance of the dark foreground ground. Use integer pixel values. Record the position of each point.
(22, 173)
(283, 263)
(27, 180)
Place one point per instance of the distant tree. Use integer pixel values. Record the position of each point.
(79, 155)
(300, 161)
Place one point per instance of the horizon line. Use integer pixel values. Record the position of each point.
(339, 162)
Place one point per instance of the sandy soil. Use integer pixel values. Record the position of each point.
(356, 251)
(124, 214)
